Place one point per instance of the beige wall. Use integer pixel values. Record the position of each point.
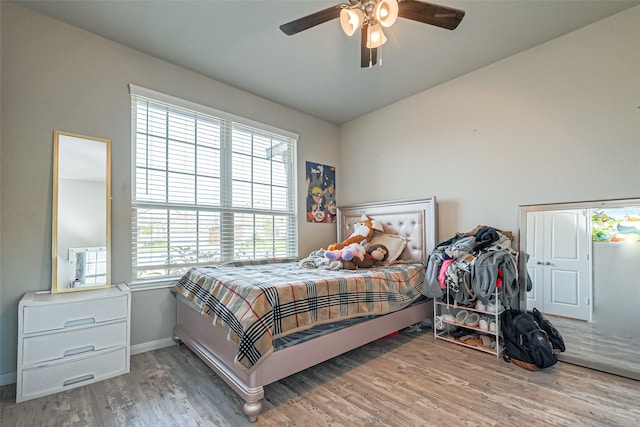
(1, 211)
(559, 122)
(55, 76)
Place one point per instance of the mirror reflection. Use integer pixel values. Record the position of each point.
(584, 267)
(81, 212)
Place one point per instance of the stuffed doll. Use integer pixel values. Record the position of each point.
(376, 255)
(354, 251)
(362, 230)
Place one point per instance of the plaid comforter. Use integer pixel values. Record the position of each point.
(259, 301)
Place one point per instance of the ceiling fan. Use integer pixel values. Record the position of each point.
(371, 15)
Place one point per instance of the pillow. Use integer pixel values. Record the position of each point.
(393, 242)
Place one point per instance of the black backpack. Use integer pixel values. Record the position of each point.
(554, 336)
(526, 344)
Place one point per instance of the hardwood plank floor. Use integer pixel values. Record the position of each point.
(404, 380)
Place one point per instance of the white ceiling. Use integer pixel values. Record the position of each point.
(318, 70)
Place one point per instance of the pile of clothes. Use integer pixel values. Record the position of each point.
(472, 266)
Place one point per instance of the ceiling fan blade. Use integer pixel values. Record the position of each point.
(440, 16)
(367, 56)
(306, 22)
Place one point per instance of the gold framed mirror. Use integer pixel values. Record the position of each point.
(81, 229)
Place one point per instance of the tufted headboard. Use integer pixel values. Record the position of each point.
(413, 219)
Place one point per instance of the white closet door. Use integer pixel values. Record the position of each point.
(559, 263)
(535, 265)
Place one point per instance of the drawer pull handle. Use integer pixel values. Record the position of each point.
(85, 349)
(77, 322)
(77, 380)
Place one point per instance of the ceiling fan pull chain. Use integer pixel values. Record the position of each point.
(380, 55)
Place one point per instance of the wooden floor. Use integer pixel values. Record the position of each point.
(404, 380)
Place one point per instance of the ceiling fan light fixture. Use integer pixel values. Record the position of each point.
(369, 16)
(375, 36)
(387, 12)
(351, 20)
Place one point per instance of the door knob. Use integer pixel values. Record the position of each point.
(539, 263)
(547, 263)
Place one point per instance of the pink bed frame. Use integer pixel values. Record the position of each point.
(414, 219)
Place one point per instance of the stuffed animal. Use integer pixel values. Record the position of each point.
(376, 255)
(362, 230)
(352, 252)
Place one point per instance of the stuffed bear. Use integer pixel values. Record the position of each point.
(376, 255)
(362, 230)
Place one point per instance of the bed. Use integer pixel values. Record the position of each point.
(249, 364)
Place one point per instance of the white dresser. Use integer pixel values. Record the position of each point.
(68, 340)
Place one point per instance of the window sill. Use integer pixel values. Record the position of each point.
(149, 285)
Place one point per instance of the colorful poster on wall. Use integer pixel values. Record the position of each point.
(616, 225)
(321, 193)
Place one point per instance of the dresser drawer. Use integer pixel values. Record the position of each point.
(48, 317)
(54, 346)
(62, 376)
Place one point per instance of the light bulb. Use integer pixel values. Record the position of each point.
(387, 12)
(375, 36)
(351, 19)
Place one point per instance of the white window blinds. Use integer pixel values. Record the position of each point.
(207, 187)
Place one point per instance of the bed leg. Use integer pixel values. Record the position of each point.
(252, 409)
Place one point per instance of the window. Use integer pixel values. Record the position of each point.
(95, 267)
(207, 187)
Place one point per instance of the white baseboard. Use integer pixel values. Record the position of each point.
(8, 378)
(152, 345)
